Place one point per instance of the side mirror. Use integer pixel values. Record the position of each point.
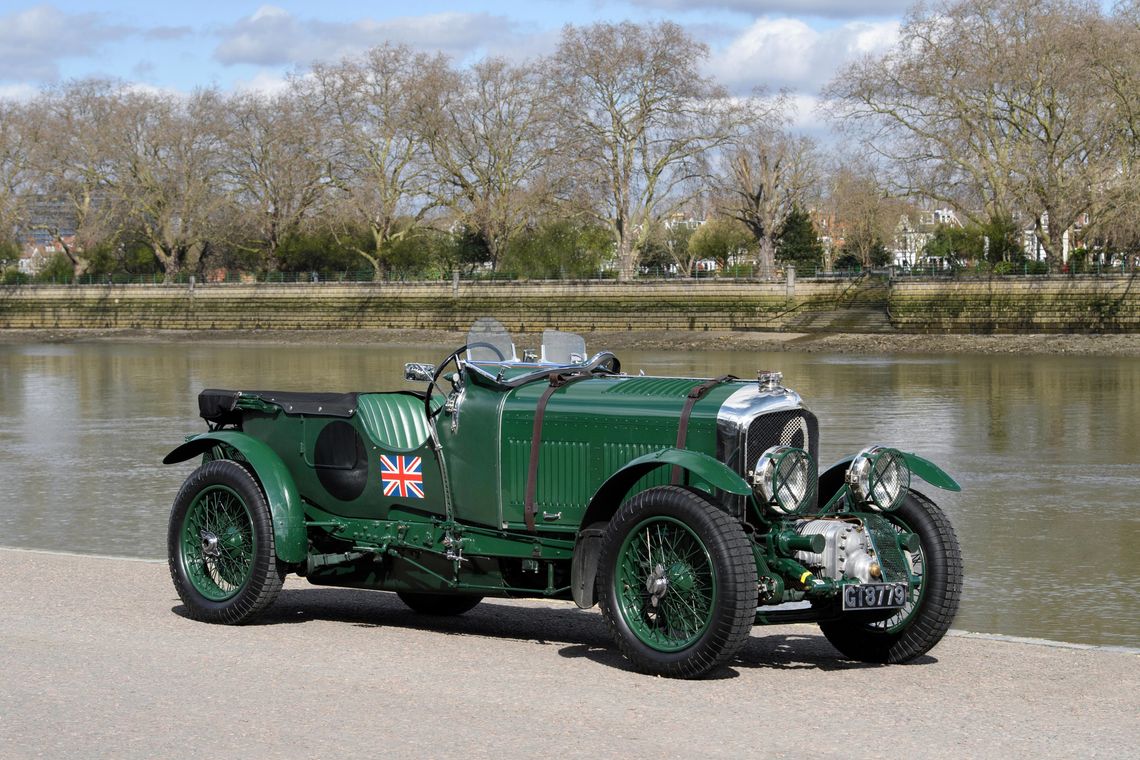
(421, 372)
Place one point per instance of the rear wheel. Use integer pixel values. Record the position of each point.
(442, 605)
(936, 575)
(220, 545)
(678, 583)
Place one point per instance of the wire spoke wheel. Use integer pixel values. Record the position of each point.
(218, 543)
(936, 587)
(667, 584)
(916, 562)
(677, 582)
(222, 557)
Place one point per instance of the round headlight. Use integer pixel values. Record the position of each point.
(786, 479)
(879, 477)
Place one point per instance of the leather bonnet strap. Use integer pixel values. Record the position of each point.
(557, 380)
(695, 395)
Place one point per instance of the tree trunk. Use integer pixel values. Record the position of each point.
(272, 256)
(79, 264)
(766, 258)
(1048, 243)
(627, 268)
(171, 267)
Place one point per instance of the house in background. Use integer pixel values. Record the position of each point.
(912, 235)
(39, 247)
(1036, 252)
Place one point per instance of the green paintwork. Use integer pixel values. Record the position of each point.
(930, 472)
(710, 470)
(593, 429)
(219, 571)
(604, 439)
(666, 547)
(276, 481)
(395, 421)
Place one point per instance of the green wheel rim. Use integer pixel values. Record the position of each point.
(665, 584)
(218, 543)
(916, 561)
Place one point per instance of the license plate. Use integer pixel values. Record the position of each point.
(874, 596)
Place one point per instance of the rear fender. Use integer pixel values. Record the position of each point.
(281, 492)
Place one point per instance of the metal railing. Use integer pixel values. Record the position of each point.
(11, 278)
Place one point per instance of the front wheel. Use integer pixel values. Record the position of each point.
(936, 575)
(678, 582)
(220, 545)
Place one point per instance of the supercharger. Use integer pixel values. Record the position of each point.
(848, 553)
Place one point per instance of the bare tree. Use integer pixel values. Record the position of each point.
(769, 171)
(381, 159)
(277, 162)
(15, 169)
(863, 216)
(1116, 68)
(638, 121)
(489, 137)
(70, 156)
(991, 99)
(166, 155)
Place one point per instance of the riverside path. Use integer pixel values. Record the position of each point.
(96, 660)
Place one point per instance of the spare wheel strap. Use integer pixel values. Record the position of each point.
(695, 395)
(557, 380)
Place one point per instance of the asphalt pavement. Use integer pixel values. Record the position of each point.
(97, 660)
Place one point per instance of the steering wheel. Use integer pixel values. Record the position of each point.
(499, 355)
(605, 361)
(434, 382)
(452, 357)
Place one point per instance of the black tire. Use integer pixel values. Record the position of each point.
(439, 605)
(922, 624)
(220, 545)
(712, 580)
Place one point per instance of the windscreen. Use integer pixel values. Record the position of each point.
(489, 341)
(562, 347)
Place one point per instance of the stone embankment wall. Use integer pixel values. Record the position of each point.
(521, 306)
(1063, 304)
(1017, 304)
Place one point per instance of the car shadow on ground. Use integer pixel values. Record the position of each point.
(576, 632)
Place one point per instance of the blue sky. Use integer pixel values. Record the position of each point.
(236, 45)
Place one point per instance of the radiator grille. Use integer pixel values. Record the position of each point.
(797, 428)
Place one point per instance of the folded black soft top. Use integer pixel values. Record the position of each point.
(219, 406)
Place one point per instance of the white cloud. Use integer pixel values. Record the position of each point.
(264, 82)
(274, 36)
(826, 8)
(18, 92)
(788, 53)
(36, 39)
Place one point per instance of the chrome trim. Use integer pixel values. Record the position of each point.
(732, 421)
(499, 456)
(419, 371)
(454, 405)
(738, 411)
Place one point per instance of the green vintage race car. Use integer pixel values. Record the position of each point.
(688, 509)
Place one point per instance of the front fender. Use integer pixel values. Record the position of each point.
(611, 493)
(834, 477)
(284, 499)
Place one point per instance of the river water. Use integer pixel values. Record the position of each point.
(1047, 450)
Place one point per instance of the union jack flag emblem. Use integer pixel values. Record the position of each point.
(402, 475)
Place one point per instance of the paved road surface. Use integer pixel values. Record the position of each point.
(97, 661)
